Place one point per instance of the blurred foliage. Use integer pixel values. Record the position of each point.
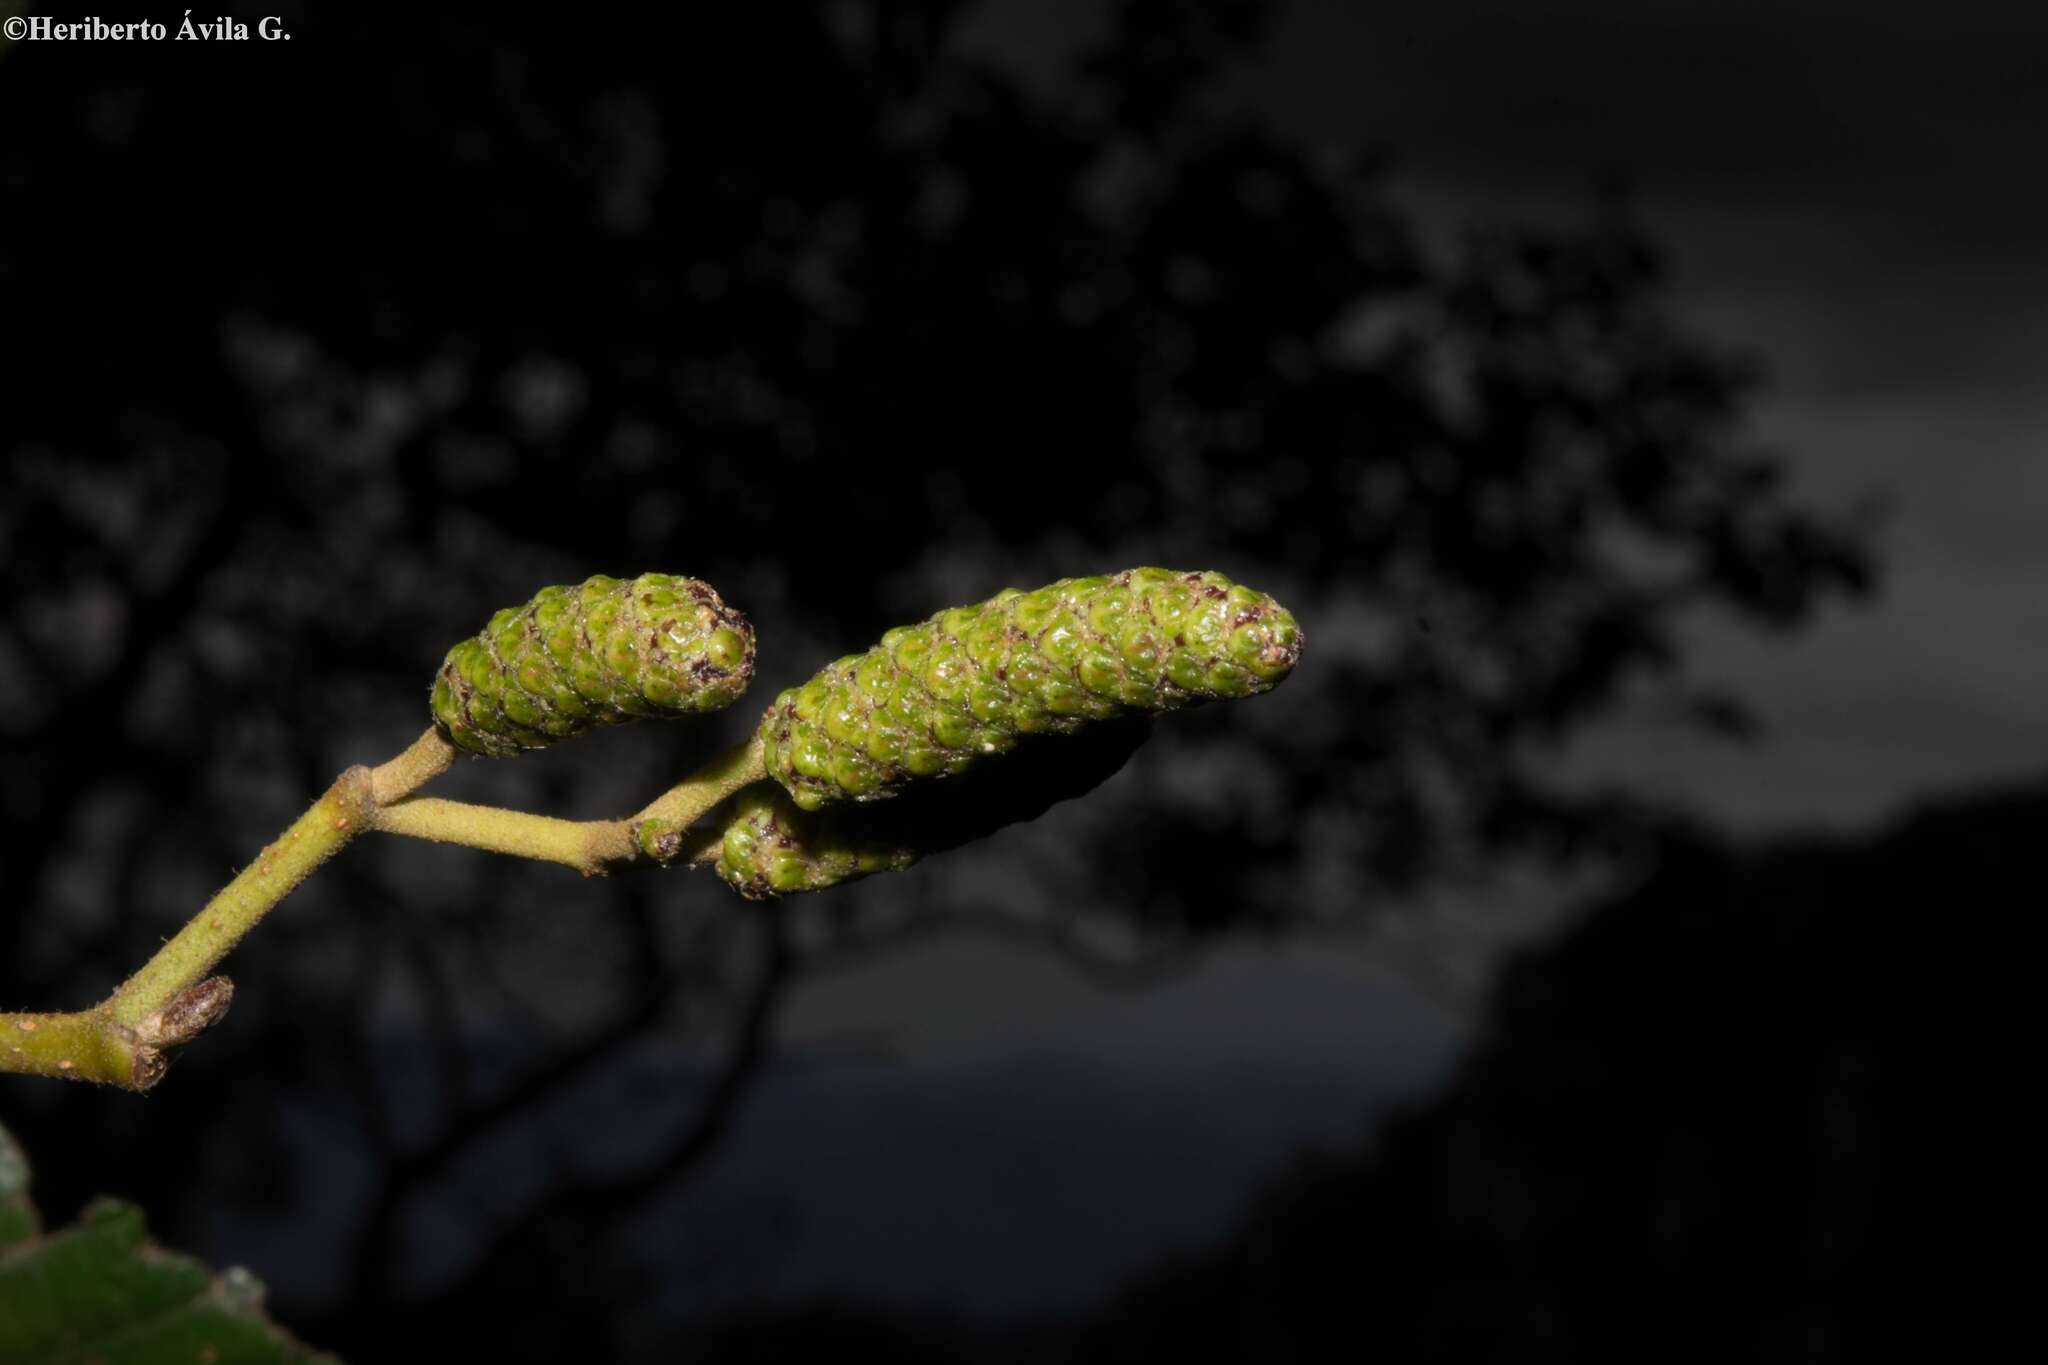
(1738, 1102)
(824, 308)
(98, 1292)
(1738, 1110)
(316, 350)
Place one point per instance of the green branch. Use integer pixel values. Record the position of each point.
(425, 759)
(661, 828)
(323, 831)
(171, 999)
(929, 701)
(592, 847)
(658, 833)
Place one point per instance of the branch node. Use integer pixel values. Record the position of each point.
(660, 839)
(149, 1068)
(190, 1013)
(356, 792)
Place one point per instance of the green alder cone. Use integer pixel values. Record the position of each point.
(933, 698)
(597, 653)
(771, 847)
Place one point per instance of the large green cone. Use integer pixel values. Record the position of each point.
(773, 848)
(599, 653)
(932, 699)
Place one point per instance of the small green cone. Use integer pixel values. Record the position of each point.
(932, 699)
(598, 653)
(772, 848)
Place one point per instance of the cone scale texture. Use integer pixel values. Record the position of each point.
(773, 849)
(596, 653)
(932, 699)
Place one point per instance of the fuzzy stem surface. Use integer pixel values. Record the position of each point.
(83, 1046)
(171, 999)
(685, 802)
(592, 847)
(425, 759)
(324, 830)
(589, 846)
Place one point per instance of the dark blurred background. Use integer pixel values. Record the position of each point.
(1637, 404)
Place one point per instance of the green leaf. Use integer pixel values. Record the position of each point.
(100, 1291)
